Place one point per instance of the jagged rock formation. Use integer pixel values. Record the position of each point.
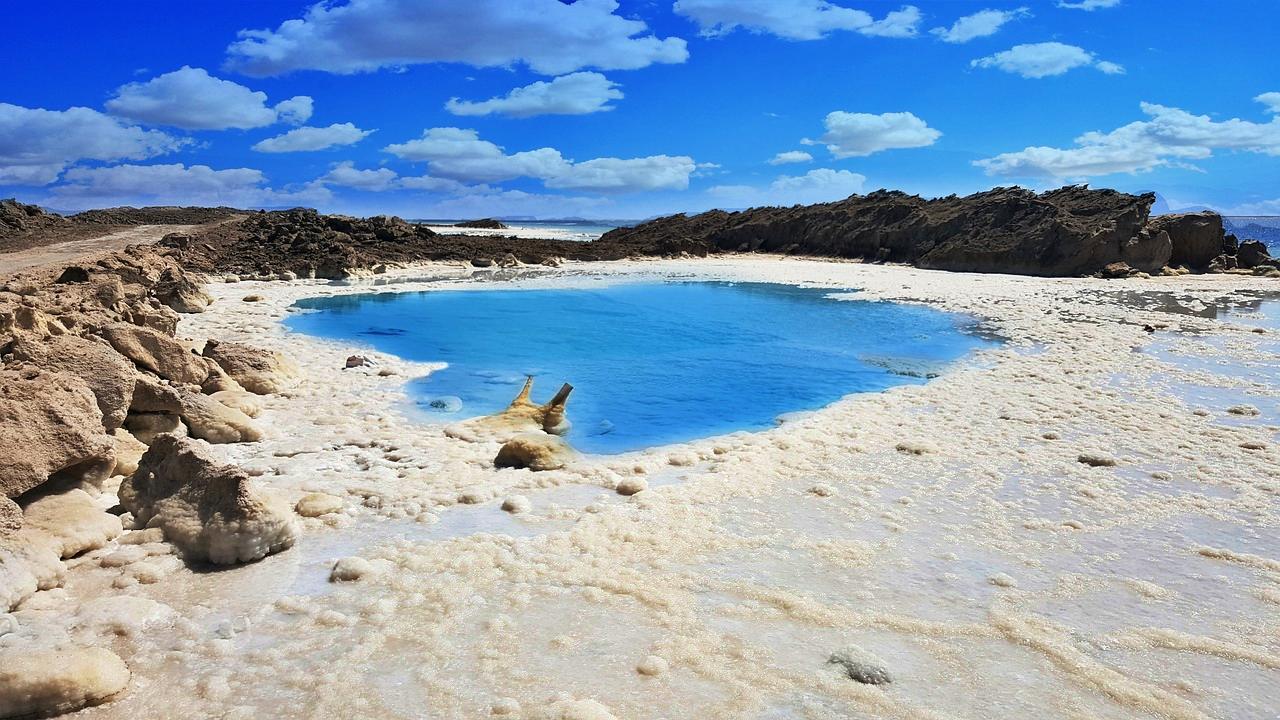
(1197, 237)
(210, 511)
(482, 224)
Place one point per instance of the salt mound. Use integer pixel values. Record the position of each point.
(208, 510)
(36, 683)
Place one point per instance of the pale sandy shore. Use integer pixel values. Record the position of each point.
(1079, 523)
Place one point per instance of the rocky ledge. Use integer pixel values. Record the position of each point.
(1065, 232)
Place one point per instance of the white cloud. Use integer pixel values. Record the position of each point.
(979, 24)
(36, 144)
(1271, 100)
(858, 134)
(192, 99)
(345, 174)
(577, 94)
(1045, 59)
(794, 20)
(815, 186)
(791, 156)
(313, 138)
(1087, 5)
(551, 37)
(460, 154)
(1171, 137)
(175, 184)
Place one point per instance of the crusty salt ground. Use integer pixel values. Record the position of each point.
(951, 530)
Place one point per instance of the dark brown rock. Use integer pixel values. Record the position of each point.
(1197, 237)
(1253, 253)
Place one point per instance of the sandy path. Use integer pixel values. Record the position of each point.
(75, 249)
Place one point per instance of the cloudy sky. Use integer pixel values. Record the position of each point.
(598, 108)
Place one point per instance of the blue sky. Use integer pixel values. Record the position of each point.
(460, 108)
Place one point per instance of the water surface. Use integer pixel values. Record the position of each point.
(651, 363)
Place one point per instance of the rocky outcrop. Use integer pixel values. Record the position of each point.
(16, 217)
(210, 511)
(210, 420)
(158, 353)
(1252, 254)
(482, 224)
(1196, 238)
(1070, 231)
(257, 370)
(52, 425)
(108, 374)
(178, 291)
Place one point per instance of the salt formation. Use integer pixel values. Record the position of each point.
(530, 431)
(210, 511)
(38, 683)
(534, 451)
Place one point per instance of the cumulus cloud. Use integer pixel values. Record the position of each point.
(1038, 60)
(460, 154)
(176, 184)
(1169, 137)
(345, 174)
(815, 186)
(1271, 100)
(794, 20)
(313, 138)
(1087, 5)
(192, 99)
(858, 134)
(549, 36)
(791, 156)
(577, 94)
(979, 24)
(36, 144)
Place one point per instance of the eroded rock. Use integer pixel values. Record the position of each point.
(208, 419)
(209, 510)
(259, 371)
(158, 353)
(535, 451)
(41, 683)
(108, 374)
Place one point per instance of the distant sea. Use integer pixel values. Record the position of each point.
(572, 229)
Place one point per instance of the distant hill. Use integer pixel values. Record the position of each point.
(1264, 228)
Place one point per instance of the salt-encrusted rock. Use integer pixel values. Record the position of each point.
(317, 504)
(73, 521)
(29, 561)
(51, 424)
(242, 400)
(108, 374)
(1196, 238)
(523, 415)
(861, 666)
(177, 291)
(631, 485)
(42, 683)
(158, 353)
(129, 451)
(210, 511)
(146, 427)
(516, 504)
(208, 419)
(350, 568)
(257, 370)
(534, 451)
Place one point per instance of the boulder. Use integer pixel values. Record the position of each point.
(52, 424)
(1197, 238)
(210, 511)
(208, 419)
(41, 683)
(535, 451)
(1253, 253)
(154, 396)
(178, 292)
(158, 353)
(108, 374)
(1148, 251)
(257, 370)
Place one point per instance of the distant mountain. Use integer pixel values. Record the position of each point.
(1266, 229)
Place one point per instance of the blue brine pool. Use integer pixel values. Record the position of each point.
(651, 363)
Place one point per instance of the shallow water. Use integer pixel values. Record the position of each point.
(651, 363)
